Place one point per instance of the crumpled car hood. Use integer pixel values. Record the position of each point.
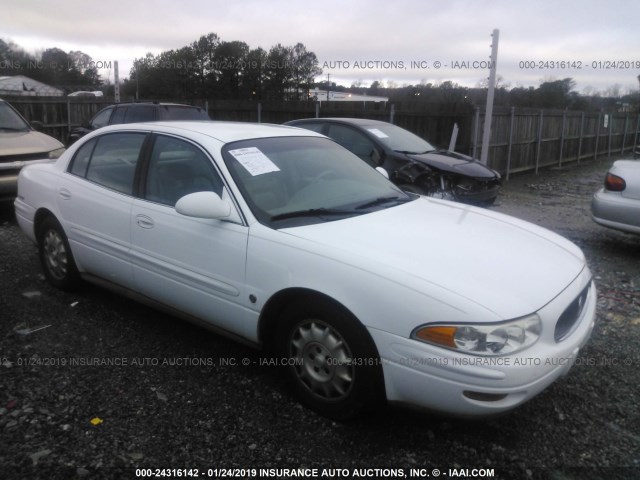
(454, 162)
(504, 264)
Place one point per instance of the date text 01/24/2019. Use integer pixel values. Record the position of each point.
(579, 65)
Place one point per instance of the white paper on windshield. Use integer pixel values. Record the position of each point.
(378, 133)
(254, 160)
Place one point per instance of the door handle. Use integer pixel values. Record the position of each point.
(144, 221)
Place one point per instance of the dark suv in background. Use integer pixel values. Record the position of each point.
(138, 112)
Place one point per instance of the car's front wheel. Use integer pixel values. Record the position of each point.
(331, 360)
(55, 255)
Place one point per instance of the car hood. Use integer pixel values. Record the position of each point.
(454, 162)
(26, 142)
(506, 265)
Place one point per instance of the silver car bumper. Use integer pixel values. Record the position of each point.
(612, 210)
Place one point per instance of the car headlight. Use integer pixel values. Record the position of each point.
(493, 339)
(53, 154)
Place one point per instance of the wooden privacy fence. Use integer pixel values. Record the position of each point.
(58, 114)
(520, 140)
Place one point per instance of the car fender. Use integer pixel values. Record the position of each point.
(276, 264)
(36, 186)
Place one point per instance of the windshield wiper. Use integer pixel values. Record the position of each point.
(382, 200)
(313, 212)
(408, 152)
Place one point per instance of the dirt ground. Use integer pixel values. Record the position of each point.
(63, 421)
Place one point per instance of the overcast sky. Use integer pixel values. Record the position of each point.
(399, 41)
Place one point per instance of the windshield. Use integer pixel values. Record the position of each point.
(399, 139)
(10, 120)
(300, 180)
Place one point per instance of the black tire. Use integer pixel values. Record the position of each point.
(335, 368)
(55, 256)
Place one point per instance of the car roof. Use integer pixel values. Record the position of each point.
(351, 121)
(152, 104)
(223, 131)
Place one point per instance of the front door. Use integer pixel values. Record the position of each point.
(192, 264)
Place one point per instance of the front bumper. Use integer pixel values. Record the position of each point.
(8, 184)
(479, 193)
(612, 210)
(437, 379)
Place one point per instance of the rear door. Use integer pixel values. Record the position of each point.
(95, 200)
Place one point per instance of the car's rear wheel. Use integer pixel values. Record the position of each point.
(55, 255)
(332, 363)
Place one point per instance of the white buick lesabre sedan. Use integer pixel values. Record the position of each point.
(282, 238)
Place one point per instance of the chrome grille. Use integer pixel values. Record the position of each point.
(23, 157)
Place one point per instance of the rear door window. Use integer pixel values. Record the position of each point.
(102, 118)
(81, 158)
(118, 116)
(140, 113)
(113, 161)
(174, 112)
(313, 126)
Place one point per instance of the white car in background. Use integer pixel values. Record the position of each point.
(617, 204)
(282, 238)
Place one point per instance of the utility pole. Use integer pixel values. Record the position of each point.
(116, 82)
(638, 96)
(493, 66)
(137, 64)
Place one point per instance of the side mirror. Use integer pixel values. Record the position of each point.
(382, 172)
(37, 125)
(203, 205)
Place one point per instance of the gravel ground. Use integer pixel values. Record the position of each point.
(178, 397)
